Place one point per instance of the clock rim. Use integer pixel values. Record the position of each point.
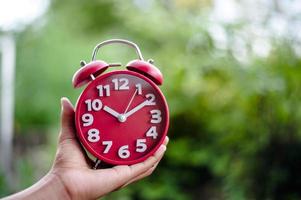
(86, 145)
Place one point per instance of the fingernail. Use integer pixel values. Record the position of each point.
(167, 140)
(62, 102)
(161, 149)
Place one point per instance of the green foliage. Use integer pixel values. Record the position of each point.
(4, 189)
(235, 131)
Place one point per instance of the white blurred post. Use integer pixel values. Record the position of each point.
(8, 52)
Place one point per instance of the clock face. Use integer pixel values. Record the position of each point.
(122, 117)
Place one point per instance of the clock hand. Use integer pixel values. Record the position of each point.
(141, 105)
(111, 111)
(120, 117)
(132, 98)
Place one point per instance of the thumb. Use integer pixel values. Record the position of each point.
(67, 120)
(69, 153)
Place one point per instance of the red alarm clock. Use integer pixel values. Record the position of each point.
(122, 116)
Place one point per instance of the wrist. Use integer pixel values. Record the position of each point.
(49, 187)
(55, 187)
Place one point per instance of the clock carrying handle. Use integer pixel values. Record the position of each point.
(145, 68)
(120, 41)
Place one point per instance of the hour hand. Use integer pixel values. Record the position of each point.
(141, 105)
(111, 111)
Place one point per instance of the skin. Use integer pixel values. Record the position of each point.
(71, 176)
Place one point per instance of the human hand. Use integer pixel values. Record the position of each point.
(73, 167)
(71, 176)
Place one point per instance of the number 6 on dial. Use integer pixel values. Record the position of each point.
(124, 152)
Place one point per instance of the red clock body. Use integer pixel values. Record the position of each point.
(122, 117)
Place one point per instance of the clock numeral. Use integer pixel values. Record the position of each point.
(152, 132)
(124, 152)
(87, 118)
(150, 99)
(103, 90)
(108, 146)
(121, 84)
(93, 135)
(140, 145)
(139, 89)
(95, 105)
(156, 116)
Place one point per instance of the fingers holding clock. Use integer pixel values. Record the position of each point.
(68, 146)
(166, 140)
(122, 175)
(67, 119)
(149, 171)
(143, 168)
(143, 175)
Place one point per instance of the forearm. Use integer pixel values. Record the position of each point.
(49, 187)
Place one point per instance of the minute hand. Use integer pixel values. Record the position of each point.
(141, 105)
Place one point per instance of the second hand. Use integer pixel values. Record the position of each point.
(132, 98)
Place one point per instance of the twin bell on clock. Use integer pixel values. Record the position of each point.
(121, 116)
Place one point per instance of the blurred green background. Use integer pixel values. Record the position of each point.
(232, 78)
